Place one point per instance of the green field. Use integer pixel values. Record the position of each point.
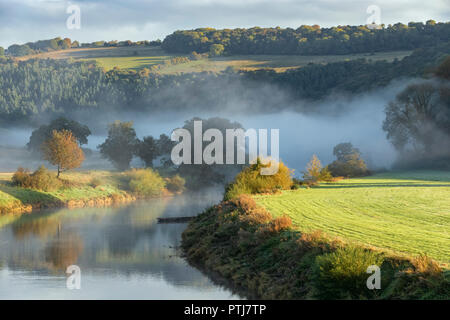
(407, 213)
(141, 57)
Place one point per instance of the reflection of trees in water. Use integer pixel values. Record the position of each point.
(124, 240)
(63, 251)
(41, 228)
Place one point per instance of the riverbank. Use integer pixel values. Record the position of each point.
(80, 189)
(271, 259)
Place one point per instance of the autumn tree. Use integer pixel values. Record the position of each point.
(62, 150)
(120, 145)
(216, 50)
(313, 169)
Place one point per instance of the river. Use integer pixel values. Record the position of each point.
(121, 251)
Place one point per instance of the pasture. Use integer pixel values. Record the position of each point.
(139, 57)
(407, 213)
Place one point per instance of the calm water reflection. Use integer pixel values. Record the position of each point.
(122, 252)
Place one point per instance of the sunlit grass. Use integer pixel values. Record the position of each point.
(79, 189)
(407, 212)
(143, 57)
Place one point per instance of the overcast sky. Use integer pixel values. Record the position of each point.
(30, 20)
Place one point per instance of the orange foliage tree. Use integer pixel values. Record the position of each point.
(62, 150)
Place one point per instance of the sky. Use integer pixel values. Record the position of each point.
(30, 20)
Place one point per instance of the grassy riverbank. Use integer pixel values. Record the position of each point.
(82, 188)
(284, 254)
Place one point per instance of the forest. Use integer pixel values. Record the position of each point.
(309, 40)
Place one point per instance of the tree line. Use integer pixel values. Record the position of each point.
(309, 40)
(58, 43)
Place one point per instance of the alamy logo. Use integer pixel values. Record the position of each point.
(374, 281)
(74, 20)
(74, 280)
(374, 20)
(213, 153)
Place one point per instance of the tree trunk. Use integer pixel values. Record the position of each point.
(59, 171)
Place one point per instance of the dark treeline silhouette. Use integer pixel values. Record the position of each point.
(310, 40)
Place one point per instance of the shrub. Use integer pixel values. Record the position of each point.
(257, 216)
(325, 175)
(342, 273)
(426, 266)
(245, 202)
(41, 179)
(145, 182)
(21, 178)
(281, 223)
(250, 181)
(175, 184)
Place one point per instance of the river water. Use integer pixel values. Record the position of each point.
(122, 253)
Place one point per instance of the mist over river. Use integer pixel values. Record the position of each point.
(301, 134)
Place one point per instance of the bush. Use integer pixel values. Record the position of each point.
(145, 182)
(250, 181)
(41, 179)
(251, 212)
(325, 175)
(257, 216)
(281, 223)
(175, 184)
(21, 178)
(426, 266)
(245, 202)
(342, 273)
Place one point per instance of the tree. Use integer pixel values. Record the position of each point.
(44, 132)
(62, 150)
(313, 170)
(348, 161)
(19, 50)
(216, 50)
(411, 120)
(165, 146)
(120, 145)
(2, 51)
(148, 150)
(344, 151)
(208, 174)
